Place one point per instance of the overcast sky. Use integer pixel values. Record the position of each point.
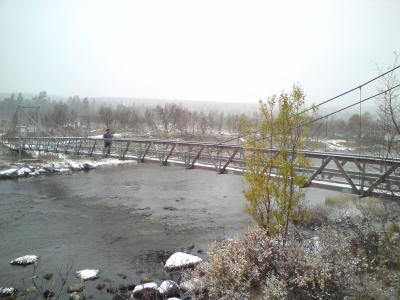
(236, 51)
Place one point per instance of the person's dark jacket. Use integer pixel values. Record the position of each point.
(108, 136)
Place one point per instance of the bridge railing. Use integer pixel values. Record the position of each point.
(359, 174)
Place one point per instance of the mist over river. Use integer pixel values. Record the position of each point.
(120, 219)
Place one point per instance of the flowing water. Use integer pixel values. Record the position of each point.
(122, 220)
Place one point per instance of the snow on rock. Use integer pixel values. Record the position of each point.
(7, 291)
(181, 260)
(149, 290)
(63, 170)
(41, 170)
(169, 288)
(74, 166)
(24, 171)
(25, 260)
(174, 298)
(9, 172)
(88, 274)
(34, 173)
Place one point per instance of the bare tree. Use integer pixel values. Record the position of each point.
(389, 111)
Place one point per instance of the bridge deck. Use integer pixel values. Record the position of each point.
(358, 174)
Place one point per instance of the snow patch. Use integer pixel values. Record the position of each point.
(8, 172)
(338, 145)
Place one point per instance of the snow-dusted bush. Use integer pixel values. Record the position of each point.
(310, 268)
(236, 267)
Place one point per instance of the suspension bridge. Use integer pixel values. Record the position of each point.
(363, 175)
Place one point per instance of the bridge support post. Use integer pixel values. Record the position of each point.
(66, 150)
(126, 149)
(92, 149)
(164, 162)
(141, 159)
(231, 157)
(191, 164)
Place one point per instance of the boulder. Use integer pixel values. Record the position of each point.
(7, 291)
(180, 260)
(25, 260)
(146, 291)
(169, 288)
(88, 274)
(24, 171)
(76, 287)
(74, 166)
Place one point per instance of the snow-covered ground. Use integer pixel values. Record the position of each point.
(338, 145)
(57, 163)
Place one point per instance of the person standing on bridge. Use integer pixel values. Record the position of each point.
(107, 136)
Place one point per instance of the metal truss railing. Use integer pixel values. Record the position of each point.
(351, 173)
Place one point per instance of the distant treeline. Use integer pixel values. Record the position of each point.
(82, 117)
(76, 116)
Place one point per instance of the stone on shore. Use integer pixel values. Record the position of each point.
(88, 274)
(24, 171)
(146, 291)
(169, 288)
(181, 260)
(7, 291)
(25, 260)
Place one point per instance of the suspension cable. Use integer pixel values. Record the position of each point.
(331, 99)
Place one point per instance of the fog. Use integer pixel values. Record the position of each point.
(225, 51)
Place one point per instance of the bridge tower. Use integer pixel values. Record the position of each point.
(28, 124)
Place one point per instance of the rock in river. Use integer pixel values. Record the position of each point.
(25, 260)
(88, 274)
(181, 260)
(7, 291)
(146, 291)
(24, 171)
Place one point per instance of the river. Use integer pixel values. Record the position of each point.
(122, 220)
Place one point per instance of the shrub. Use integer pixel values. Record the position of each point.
(236, 266)
(318, 268)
